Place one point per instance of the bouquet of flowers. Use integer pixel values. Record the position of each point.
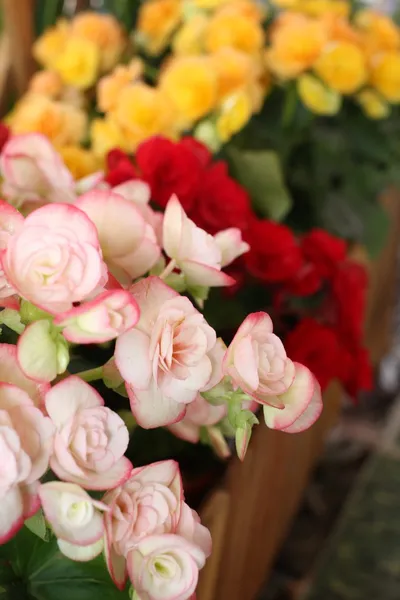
(86, 264)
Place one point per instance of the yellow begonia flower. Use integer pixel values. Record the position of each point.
(210, 4)
(49, 46)
(141, 112)
(110, 86)
(190, 83)
(234, 69)
(380, 32)
(373, 105)
(79, 161)
(342, 66)
(233, 27)
(190, 37)
(62, 123)
(105, 135)
(297, 42)
(78, 64)
(385, 76)
(47, 83)
(316, 7)
(317, 97)
(235, 113)
(105, 32)
(156, 22)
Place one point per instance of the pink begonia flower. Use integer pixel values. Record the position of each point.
(11, 221)
(11, 372)
(139, 193)
(33, 171)
(89, 183)
(100, 320)
(194, 251)
(231, 245)
(26, 442)
(42, 352)
(54, 259)
(129, 244)
(150, 502)
(299, 407)
(90, 439)
(256, 360)
(165, 360)
(165, 567)
(75, 518)
(199, 413)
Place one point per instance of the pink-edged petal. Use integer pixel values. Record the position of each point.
(10, 372)
(231, 245)
(67, 397)
(199, 274)
(163, 471)
(132, 357)
(10, 302)
(81, 553)
(113, 477)
(142, 259)
(310, 415)
(174, 220)
(119, 224)
(11, 514)
(116, 564)
(57, 215)
(245, 362)
(216, 356)
(37, 352)
(91, 322)
(152, 409)
(30, 499)
(134, 190)
(150, 294)
(187, 431)
(10, 221)
(295, 401)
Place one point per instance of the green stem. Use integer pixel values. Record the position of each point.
(91, 374)
(289, 106)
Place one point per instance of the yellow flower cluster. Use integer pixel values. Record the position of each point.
(81, 49)
(331, 56)
(216, 74)
(220, 62)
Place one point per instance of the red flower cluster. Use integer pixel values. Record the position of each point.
(330, 345)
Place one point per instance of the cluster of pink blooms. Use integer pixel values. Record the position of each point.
(82, 263)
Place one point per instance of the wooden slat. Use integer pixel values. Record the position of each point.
(264, 493)
(19, 26)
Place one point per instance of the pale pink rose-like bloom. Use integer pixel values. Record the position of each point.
(54, 259)
(195, 251)
(299, 407)
(26, 442)
(33, 171)
(199, 413)
(165, 567)
(11, 372)
(11, 221)
(90, 439)
(231, 245)
(256, 360)
(75, 518)
(150, 502)
(167, 358)
(138, 192)
(106, 317)
(128, 243)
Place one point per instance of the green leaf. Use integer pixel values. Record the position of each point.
(37, 524)
(356, 218)
(261, 174)
(43, 573)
